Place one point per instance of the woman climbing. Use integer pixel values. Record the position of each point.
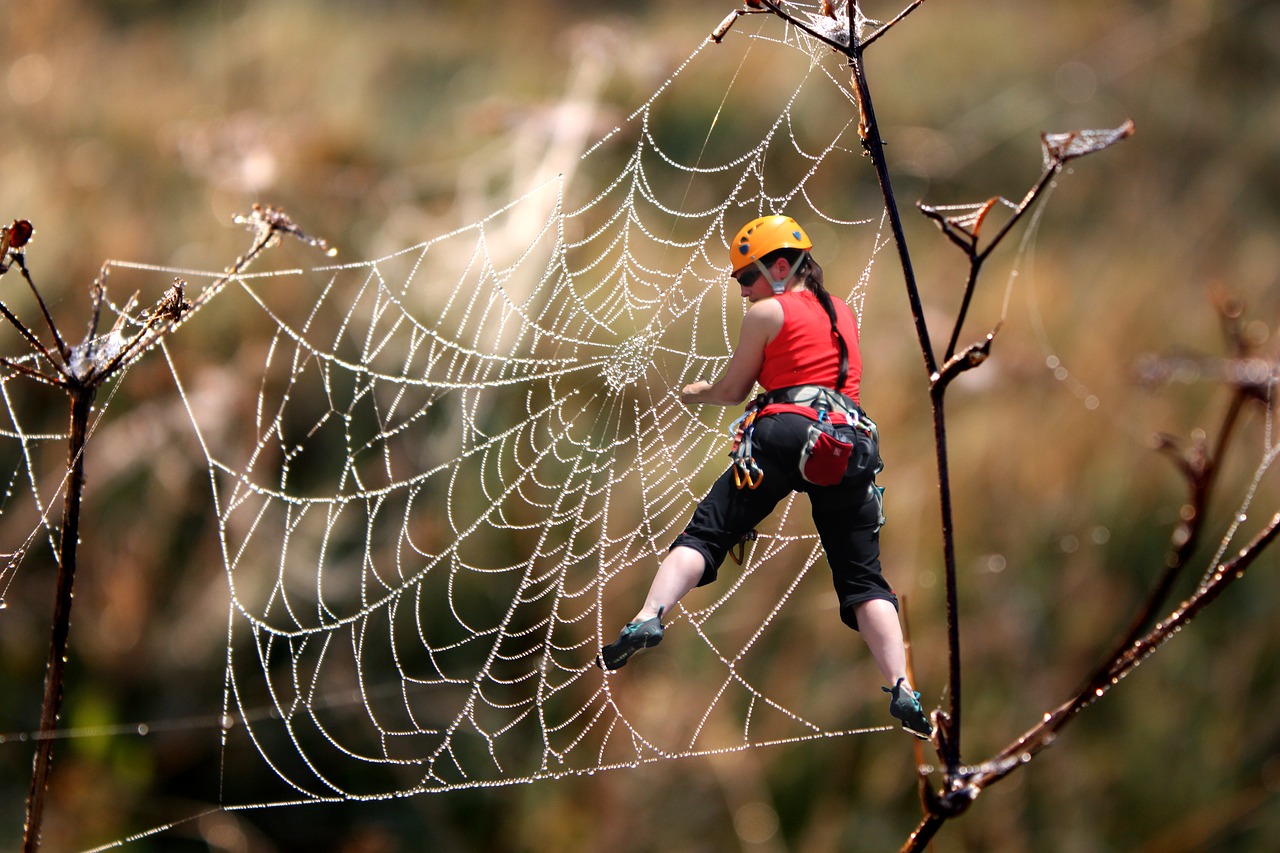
(806, 433)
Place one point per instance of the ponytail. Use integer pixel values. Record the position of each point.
(812, 275)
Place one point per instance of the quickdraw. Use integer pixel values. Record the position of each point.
(746, 473)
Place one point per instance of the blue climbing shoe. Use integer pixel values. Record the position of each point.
(634, 637)
(904, 705)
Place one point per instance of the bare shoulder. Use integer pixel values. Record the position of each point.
(766, 313)
(761, 324)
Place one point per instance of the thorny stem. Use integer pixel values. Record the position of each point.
(975, 267)
(875, 148)
(26, 333)
(978, 258)
(951, 742)
(962, 785)
(1200, 468)
(1200, 476)
(1040, 736)
(268, 224)
(63, 349)
(950, 724)
(869, 40)
(1127, 654)
(30, 372)
(81, 406)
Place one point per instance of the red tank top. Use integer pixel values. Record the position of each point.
(804, 352)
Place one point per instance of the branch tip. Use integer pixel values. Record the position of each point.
(1060, 148)
(967, 359)
(13, 239)
(268, 223)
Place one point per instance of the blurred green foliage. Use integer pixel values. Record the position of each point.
(134, 130)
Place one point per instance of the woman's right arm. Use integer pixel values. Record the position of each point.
(760, 325)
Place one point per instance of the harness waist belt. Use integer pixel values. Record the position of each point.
(823, 402)
(816, 397)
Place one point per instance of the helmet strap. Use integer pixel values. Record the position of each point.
(781, 286)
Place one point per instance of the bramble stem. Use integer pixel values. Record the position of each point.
(81, 387)
(81, 406)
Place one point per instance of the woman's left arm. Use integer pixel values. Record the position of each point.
(760, 325)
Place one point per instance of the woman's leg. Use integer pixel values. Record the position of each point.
(719, 522)
(879, 626)
(878, 622)
(867, 602)
(678, 573)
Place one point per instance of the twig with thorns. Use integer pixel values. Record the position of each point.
(1251, 379)
(79, 371)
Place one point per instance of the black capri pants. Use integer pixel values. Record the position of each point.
(848, 515)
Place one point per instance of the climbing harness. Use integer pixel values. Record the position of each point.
(841, 442)
(842, 439)
(821, 398)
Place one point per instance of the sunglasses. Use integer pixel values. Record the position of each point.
(747, 277)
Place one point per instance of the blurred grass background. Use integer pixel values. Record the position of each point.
(134, 130)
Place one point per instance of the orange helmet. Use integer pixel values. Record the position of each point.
(761, 236)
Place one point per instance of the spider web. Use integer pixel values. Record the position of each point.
(450, 474)
(454, 469)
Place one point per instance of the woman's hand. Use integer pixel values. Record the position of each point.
(693, 392)
(762, 322)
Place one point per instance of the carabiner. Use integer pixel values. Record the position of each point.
(744, 470)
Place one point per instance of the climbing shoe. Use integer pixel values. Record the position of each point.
(904, 705)
(634, 637)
